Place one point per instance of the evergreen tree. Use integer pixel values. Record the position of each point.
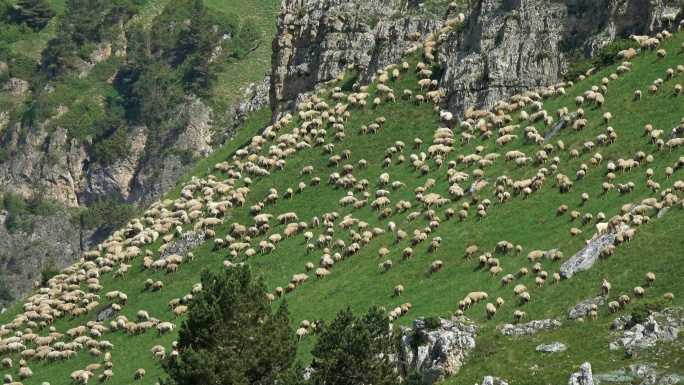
(355, 350)
(231, 336)
(35, 13)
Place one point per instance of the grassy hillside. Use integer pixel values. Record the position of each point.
(532, 223)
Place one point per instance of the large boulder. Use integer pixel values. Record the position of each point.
(437, 351)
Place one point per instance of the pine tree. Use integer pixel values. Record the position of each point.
(231, 336)
(35, 13)
(355, 350)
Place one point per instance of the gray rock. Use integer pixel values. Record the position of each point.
(553, 347)
(187, 242)
(585, 258)
(439, 352)
(580, 310)
(663, 211)
(490, 380)
(659, 326)
(529, 328)
(104, 314)
(583, 377)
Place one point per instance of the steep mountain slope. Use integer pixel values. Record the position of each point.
(502, 47)
(86, 121)
(356, 279)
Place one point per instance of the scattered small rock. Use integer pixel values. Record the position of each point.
(188, 241)
(529, 328)
(580, 310)
(553, 347)
(583, 377)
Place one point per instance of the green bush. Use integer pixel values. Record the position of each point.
(608, 54)
(106, 215)
(83, 119)
(578, 66)
(641, 310)
(111, 149)
(4, 155)
(606, 57)
(47, 273)
(433, 322)
(23, 67)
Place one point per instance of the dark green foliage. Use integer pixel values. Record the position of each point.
(35, 13)
(579, 65)
(19, 210)
(355, 350)
(16, 211)
(113, 148)
(433, 322)
(4, 155)
(608, 54)
(47, 273)
(231, 336)
(107, 215)
(414, 378)
(23, 67)
(641, 310)
(83, 120)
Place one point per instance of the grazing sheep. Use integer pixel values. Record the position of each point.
(524, 298)
(518, 315)
(605, 287)
(491, 310)
(639, 292)
(435, 267)
(613, 306)
(668, 296)
(140, 373)
(650, 278)
(386, 265)
(398, 290)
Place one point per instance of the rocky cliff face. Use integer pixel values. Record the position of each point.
(64, 168)
(24, 255)
(502, 47)
(436, 350)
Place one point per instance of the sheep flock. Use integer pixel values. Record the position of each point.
(405, 206)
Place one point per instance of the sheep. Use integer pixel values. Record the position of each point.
(477, 296)
(435, 267)
(140, 373)
(301, 332)
(650, 278)
(613, 306)
(491, 310)
(386, 265)
(524, 298)
(322, 273)
(398, 290)
(639, 292)
(668, 296)
(518, 315)
(605, 287)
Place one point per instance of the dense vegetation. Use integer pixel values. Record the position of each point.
(347, 342)
(111, 72)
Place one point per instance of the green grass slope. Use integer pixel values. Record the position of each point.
(359, 282)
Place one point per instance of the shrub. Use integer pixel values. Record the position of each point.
(641, 310)
(608, 54)
(433, 322)
(47, 273)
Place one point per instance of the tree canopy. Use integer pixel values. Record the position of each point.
(35, 13)
(355, 350)
(232, 337)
